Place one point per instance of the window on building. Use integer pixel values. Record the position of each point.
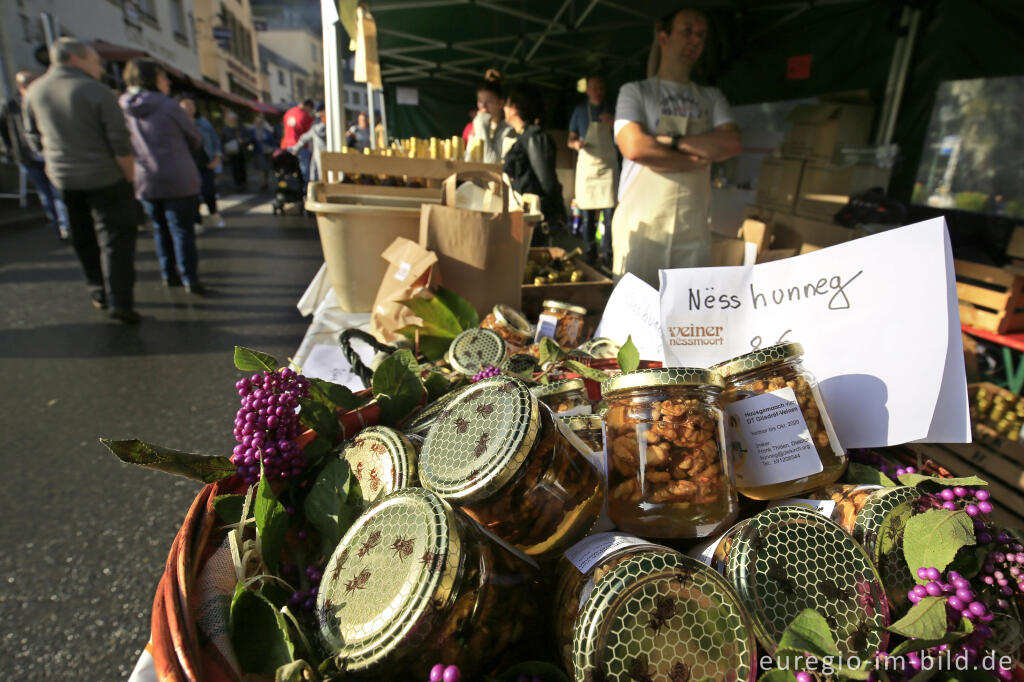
(178, 20)
(280, 77)
(971, 159)
(147, 8)
(314, 53)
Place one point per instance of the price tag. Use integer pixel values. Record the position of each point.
(589, 551)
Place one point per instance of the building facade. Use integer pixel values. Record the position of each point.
(228, 55)
(165, 29)
(303, 47)
(280, 77)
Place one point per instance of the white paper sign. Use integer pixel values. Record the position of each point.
(632, 310)
(877, 318)
(328, 362)
(409, 96)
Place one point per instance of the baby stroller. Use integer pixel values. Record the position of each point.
(289, 185)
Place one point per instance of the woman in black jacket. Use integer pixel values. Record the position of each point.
(530, 163)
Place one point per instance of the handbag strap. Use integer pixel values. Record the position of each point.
(450, 184)
(345, 341)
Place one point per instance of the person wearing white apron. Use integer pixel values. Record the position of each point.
(597, 167)
(669, 131)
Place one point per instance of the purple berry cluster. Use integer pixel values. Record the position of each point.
(974, 501)
(266, 423)
(485, 373)
(906, 470)
(1003, 569)
(306, 599)
(445, 673)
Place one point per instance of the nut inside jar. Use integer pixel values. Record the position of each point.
(562, 322)
(511, 325)
(667, 472)
(565, 398)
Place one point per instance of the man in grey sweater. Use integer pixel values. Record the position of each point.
(74, 121)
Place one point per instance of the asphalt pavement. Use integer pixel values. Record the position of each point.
(83, 537)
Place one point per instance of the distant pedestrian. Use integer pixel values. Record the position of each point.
(264, 142)
(297, 121)
(358, 135)
(316, 138)
(15, 144)
(207, 162)
(166, 178)
(234, 142)
(74, 121)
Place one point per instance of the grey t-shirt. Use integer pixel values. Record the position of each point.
(638, 103)
(78, 126)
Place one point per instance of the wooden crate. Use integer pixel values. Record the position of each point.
(990, 298)
(433, 171)
(592, 293)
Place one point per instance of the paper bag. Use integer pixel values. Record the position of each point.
(480, 254)
(410, 272)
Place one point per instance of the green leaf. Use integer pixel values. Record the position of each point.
(915, 479)
(934, 537)
(229, 508)
(396, 385)
(550, 351)
(629, 356)
(296, 671)
(249, 360)
(319, 417)
(316, 449)
(325, 506)
(259, 633)
(271, 525)
(462, 309)
(203, 468)
(585, 371)
(541, 669)
(436, 386)
(335, 395)
(862, 474)
(910, 645)
(809, 633)
(432, 347)
(777, 675)
(438, 320)
(925, 620)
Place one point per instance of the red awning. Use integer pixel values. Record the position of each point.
(119, 53)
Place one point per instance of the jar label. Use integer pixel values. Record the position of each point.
(589, 551)
(823, 507)
(775, 443)
(705, 552)
(546, 326)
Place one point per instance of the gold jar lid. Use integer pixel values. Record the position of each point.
(583, 422)
(521, 363)
(759, 358)
(663, 376)
(422, 422)
(476, 349)
(394, 568)
(383, 461)
(602, 347)
(561, 305)
(660, 615)
(507, 315)
(481, 440)
(558, 388)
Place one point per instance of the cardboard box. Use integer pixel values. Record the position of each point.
(756, 232)
(819, 130)
(825, 189)
(820, 233)
(592, 293)
(775, 254)
(727, 251)
(779, 182)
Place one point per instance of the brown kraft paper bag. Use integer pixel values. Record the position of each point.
(480, 254)
(410, 273)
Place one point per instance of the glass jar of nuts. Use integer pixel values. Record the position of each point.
(779, 432)
(497, 453)
(565, 398)
(668, 474)
(562, 322)
(511, 325)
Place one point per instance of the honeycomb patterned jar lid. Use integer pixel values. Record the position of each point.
(558, 387)
(507, 315)
(395, 566)
(660, 615)
(521, 363)
(476, 349)
(479, 442)
(664, 376)
(601, 347)
(879, 528)
(787, 559)
(422, 422)
(383, 461)
(759, 358)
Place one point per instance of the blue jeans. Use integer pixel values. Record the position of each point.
(305, 157)
(174, 231)
(56, 211)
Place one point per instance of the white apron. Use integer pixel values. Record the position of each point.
(662, 220)
(596, 167)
